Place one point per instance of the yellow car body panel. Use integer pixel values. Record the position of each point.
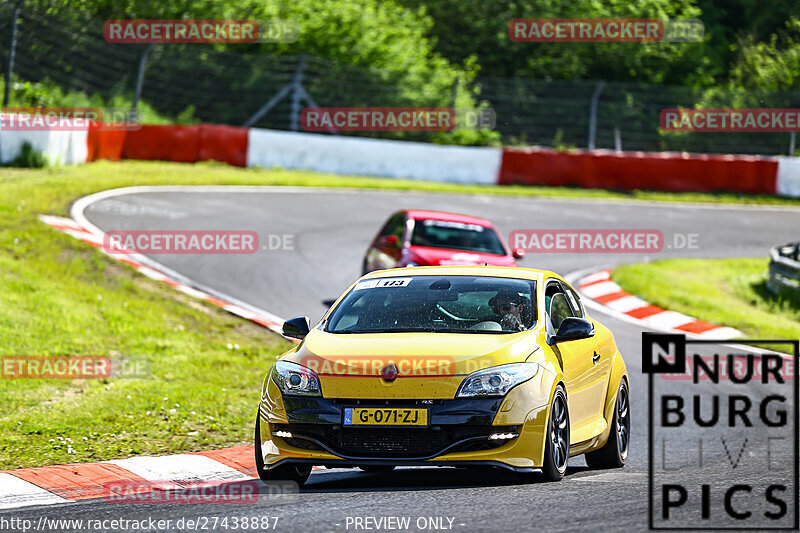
(432, 367)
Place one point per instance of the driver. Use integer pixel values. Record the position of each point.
(507, 305)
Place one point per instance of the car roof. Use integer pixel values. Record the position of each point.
(419, 214)
(486, 271)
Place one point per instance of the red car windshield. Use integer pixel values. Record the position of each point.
(456, 235)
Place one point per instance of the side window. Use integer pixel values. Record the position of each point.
(395, 226)
(557, 305)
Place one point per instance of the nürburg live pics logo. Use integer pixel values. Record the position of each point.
(723, 433)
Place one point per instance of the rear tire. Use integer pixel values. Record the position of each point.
(288, 472)
(556, 449)
(615, 452)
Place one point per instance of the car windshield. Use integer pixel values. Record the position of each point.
(456, 235)
(442, 304)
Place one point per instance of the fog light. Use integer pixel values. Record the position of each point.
(503, 436)
(283, 434)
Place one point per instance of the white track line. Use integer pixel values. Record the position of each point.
(159, 271)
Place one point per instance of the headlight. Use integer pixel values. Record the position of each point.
(292, 378)
(496, 380)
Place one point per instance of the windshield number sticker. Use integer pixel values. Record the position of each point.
(453, 225)
(378, 283)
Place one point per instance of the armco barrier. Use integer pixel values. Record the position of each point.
(629, 171)
(784, 269)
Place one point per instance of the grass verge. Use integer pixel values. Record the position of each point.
(60, 297)
(728, 292)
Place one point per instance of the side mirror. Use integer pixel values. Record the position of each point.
(518, 253)
(391, 240)
(296, 328)
(573, 329)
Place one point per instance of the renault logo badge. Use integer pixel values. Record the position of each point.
(390, 372)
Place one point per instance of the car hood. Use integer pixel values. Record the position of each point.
(355, 365)
(444, 256)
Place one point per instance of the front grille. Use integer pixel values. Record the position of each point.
(369, 442)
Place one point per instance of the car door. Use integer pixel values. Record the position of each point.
(386, 249)
(582, 375)
(601, 352)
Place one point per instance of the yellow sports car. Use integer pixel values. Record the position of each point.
(446, 366)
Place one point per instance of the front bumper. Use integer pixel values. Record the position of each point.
(454, 426)
(311, 431)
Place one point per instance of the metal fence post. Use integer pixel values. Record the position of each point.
(593, 113)
(12, 49)
(455, 91)
(139, 82)
(791, 144)
(297, 93)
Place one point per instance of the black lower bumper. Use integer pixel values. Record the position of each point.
(392, 462)
(454, 426)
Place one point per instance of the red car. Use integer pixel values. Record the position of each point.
(430, 238)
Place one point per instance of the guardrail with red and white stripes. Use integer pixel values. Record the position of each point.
(251, 147)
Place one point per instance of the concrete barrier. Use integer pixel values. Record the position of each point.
(672, 172)
(372, 157)
(60, 147)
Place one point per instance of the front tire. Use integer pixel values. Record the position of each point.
(556, 449)
(290, 472)
(615, 452)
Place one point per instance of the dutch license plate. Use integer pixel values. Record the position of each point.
(385, 416)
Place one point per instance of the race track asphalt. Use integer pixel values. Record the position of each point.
(330, 230)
